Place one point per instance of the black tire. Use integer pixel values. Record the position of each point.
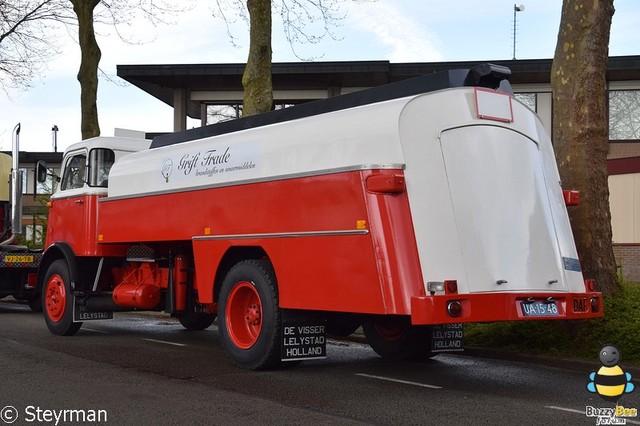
(249, 316)
(57, 300)
(194, 322)
(395, 338)
(35, 303)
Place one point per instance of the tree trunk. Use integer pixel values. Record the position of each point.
(256, 80)
(88, 73)
(580, 130)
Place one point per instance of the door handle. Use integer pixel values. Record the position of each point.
(79, 201)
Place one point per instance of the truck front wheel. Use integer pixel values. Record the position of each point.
(57, 300)
(396, 338)
(249, 316)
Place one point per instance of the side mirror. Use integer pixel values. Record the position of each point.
(41, 171)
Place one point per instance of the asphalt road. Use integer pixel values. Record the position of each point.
(147, 370)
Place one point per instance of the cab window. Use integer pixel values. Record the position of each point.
(74, 172)
(100, 162)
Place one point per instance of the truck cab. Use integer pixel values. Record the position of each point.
(84, 180)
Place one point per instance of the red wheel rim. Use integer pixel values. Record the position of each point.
(244, 315)
(55, 298)
(389, 332)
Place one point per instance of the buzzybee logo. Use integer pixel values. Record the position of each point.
(610, 382)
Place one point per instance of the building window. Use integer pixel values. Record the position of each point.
(221, 113)
(624, 114)
(529, 99)
(25, 179)
(34, 234)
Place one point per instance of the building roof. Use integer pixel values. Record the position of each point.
(32, 157)
(161, 81)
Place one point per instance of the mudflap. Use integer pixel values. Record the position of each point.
(82, 314)
(447, 338)
(303, 337)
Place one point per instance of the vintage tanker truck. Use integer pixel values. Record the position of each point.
(429, 201)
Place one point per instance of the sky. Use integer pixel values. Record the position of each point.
(394, 30)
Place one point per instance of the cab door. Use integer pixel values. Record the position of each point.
(68, 211)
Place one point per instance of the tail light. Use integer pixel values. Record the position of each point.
(451, 286)
(446, 286)
(590, 285)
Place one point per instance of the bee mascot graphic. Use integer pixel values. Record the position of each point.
(610, 382)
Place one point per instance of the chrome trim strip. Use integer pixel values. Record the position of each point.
(337, 233)
(390, 166)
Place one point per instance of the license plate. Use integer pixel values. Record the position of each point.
(539, 309)
(18, 259)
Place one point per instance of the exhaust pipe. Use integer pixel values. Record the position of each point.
(16, 188)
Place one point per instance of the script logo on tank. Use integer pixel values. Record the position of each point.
(167, 168)
(213, 163)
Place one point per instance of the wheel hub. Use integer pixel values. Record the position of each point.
(55, 298)
(244, 315)
(253, 315)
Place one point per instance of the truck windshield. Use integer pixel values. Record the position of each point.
(100, 162)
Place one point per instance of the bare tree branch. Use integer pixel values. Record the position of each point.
(303, 21)
(28, 39)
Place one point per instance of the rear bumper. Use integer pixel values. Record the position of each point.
(489, 307)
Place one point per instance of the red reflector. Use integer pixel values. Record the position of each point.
(451, 286)
(32, 280)
(590, 285)
(385, 183)
(571, 198)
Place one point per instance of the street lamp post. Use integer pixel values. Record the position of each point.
(516, 9)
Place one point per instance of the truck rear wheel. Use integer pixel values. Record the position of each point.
(249, 321)
(57, 300)
(396, 338)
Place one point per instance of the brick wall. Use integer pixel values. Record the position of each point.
(623, 150)
(628, 260)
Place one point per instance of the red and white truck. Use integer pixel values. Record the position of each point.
(431, 201)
